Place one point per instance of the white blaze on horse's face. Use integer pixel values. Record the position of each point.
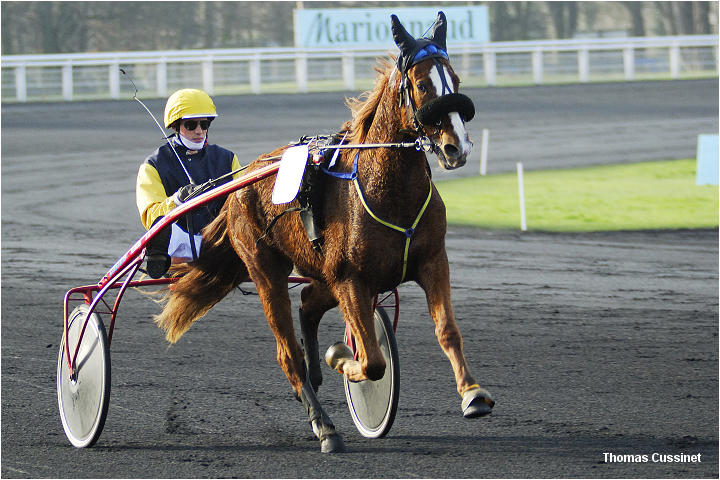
(457, 149)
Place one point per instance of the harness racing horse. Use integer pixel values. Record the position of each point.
(383, 224)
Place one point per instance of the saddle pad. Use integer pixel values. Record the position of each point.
(290, 174)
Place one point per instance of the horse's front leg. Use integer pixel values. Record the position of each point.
(434, 278)
(356, 304)
(276, 302)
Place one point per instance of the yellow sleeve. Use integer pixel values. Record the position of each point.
(235, 166)
(150, 196)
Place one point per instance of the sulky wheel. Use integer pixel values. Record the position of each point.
(84, 398)
(373, 404)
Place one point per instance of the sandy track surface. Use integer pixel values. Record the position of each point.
(591, 343)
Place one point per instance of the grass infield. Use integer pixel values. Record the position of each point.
(637, 196)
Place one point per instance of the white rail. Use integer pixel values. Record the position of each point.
(225, 71)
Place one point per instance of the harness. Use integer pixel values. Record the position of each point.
(308, 207)
(408, 232)
(420, 117)
(428, 114)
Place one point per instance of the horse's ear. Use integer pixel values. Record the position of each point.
(439, 32)
(404, 41)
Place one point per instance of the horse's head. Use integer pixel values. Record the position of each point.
(429, 87)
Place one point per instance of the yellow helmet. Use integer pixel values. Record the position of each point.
(188, 103)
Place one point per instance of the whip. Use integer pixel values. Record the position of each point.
(135, 97)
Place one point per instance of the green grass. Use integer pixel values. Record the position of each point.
(638, 196)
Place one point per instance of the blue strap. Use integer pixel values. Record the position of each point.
(428, 50)
(342, 175)
(445, 87)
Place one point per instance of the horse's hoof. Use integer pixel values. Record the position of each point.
(332, 444)
(477, 403)
(337, 354)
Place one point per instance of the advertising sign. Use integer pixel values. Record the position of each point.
(370, 27)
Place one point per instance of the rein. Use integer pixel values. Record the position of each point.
(422, 143)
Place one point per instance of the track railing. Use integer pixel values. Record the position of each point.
(82, 76)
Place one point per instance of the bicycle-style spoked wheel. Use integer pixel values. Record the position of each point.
(83, 399)
(373, 404)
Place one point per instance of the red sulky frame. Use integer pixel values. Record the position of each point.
(129, 263)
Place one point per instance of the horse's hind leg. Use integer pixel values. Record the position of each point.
(434, 278)
(316, 300)
(272, 290)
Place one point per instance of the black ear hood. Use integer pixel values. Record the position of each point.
(413, 50)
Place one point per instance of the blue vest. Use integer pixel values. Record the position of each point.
(210, 162)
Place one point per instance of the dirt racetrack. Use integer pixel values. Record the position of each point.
(597, 347)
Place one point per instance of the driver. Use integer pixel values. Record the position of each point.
(164, 183)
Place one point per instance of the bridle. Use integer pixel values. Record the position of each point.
(405, 90)
(430, 113)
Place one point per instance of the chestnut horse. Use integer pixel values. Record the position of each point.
(364, 252)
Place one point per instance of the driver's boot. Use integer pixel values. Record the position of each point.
(156, 252)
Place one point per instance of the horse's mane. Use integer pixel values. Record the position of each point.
(363, 107)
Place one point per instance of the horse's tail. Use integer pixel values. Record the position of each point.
(202, 283)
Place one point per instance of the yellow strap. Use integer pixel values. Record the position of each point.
(404, 231)
(422, 210)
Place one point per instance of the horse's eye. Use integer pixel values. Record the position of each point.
(421, 86)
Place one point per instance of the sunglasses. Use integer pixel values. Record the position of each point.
(192, 124)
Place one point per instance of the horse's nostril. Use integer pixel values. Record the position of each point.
(451, 151)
